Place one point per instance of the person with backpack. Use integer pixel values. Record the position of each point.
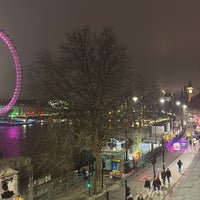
(163, 176)
(158, 183)
(168, 175)
(147, 186)
(179, 163)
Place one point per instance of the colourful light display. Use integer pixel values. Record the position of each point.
(16, 60)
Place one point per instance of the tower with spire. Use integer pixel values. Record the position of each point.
(189, 91)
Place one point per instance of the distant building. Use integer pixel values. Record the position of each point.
(23, 108)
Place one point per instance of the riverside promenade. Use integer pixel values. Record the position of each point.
(80, 192)
(167, 190)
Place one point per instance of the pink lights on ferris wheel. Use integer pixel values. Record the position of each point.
(16, 60)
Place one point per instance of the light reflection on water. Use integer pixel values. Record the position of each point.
(12, 139)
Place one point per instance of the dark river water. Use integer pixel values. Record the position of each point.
(14, 138)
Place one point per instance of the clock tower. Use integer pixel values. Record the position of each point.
(189, 91)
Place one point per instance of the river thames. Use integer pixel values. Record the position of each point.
(14, 138)
(18, 140)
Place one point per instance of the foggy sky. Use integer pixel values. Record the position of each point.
(162, 37)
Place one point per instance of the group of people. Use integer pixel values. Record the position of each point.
(165, 175)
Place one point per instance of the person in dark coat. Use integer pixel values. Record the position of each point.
(158, 183)
(168, 175)
(128, 193)
(84, 174)
(147, 186)
(140, 197)
(154, 184)
(190, 143)
(179, 163)
(163, 176)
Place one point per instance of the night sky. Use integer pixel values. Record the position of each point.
(162, 37)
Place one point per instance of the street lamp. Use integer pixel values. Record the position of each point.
(127, 106)
(153, 163)
(156, 114)
(135, 99)
(163, 151)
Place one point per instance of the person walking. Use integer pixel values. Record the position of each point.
(147, 186)
(140, 197)
(158, 183)
(179, 163)
(128, 193)
(168, 175)
(194, 142)
(84, 173)
(154, 184)
(163, 176)
(190, 142)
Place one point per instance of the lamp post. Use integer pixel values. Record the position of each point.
(168, 97)
(153, 163)
(163, 153)
(155, 131)
(125, 184)
(135, 99)
(126, 107)
(125, 127)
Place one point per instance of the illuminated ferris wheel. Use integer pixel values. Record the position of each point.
(16, 60)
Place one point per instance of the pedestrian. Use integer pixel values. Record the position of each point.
(84, 173)
(194, 143)
(154, 184)
(140, 197)
(168, 175)
(158, 183)
(163, 176)
(179, 163)
(190, 142)
(147, 186)
(128, 193)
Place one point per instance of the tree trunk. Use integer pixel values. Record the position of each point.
(98, 170)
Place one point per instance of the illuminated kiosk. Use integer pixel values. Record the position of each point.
(113, 155)
(16, 61)
(114, 161)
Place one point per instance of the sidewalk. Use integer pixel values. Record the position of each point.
(166, 190)
(80, 192)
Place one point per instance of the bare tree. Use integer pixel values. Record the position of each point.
(91, 77)
(48, 149)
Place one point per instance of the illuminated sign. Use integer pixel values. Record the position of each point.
(177, 146)
(116, 160)
(188, 134)
(145, 146)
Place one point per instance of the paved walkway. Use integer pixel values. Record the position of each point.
(167, 190)
(80, 191)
